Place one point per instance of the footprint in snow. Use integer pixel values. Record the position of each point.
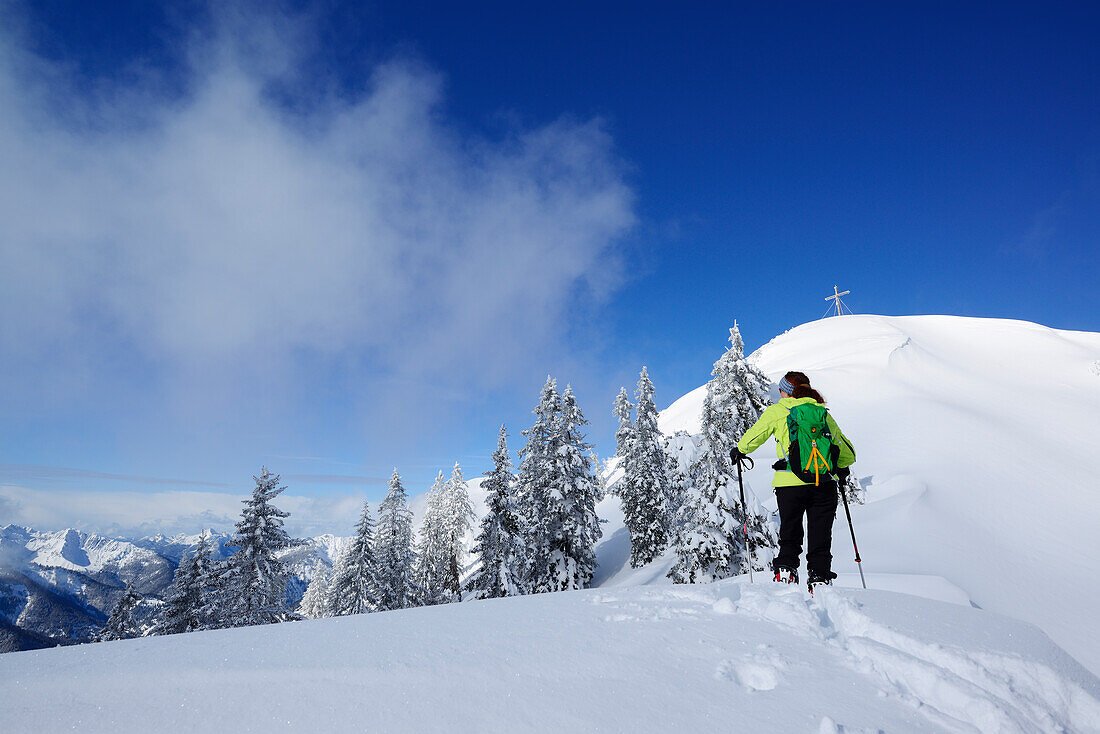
(760, 672)
(828, 726)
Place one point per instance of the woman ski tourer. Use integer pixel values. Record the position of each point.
(814, 455)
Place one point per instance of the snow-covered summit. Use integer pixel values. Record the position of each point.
(967, 433)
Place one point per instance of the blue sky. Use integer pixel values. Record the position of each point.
(346, 236)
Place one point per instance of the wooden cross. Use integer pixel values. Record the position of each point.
(836, 298)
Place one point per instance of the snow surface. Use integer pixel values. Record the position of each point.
(966, 433)
(720, 657)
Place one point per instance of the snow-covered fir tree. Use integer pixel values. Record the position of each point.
(499, 545)
(644, 488)
(574, 528)
(352, 590)
(624, 434)
(256, 579)
(680, 451)
(431, 569)
(533, 485)
(754, 397)
(458, 518)
(188, 604)
(711, 543)
(121, 624)
(315, 602)
(393, 551)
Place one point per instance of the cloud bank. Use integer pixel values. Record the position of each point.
(220, 223)
(186, 251)
(142, 513)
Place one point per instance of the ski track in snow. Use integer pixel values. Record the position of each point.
(957, 688)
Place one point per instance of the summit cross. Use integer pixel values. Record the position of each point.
(836, 299)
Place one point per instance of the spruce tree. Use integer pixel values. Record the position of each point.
(121, 625)
(537, 463)
(499, 545)
(257, 578)
(316, 602)
(431, 568)
(680, 453)
(711, 542)
(458, 518)
(754, 397)
(573, 527)
(645, 483)
(188, 604)
(624, 434)
(352, 590)
(220, 596)
(393, 550)
(177, 614)
(206, 571)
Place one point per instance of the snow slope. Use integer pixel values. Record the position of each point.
(718, 657)
(971, 436)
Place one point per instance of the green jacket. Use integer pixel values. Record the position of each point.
(773, 422)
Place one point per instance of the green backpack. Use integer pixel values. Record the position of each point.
(812, 452)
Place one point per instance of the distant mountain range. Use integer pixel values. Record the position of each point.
(57, 588)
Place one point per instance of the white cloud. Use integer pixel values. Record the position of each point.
(195, 231)
(140, 513)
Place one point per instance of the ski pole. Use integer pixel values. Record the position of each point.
(745, 510)
(859, 563)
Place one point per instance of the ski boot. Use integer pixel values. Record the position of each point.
(817, 579)
(786, 575)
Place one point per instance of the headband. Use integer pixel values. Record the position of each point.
(786, 386)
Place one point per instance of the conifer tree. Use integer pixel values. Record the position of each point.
(573, 527)
(121, 625)
(316, 602)
(754, 397)
(393, 550)
(711, 542)
(499, 545)
(431, 568)
(645, 484)
(206, 571)
(188, 604)
(352, 589)
(458, 517)
(624, 434)
(257, 578)
(533, 485)
(680, 452)
(180, 603)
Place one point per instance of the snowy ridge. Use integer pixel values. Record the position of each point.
(964, 436)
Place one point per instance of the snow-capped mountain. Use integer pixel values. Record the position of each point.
(59, 587)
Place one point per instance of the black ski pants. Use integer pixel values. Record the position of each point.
(818, 506)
